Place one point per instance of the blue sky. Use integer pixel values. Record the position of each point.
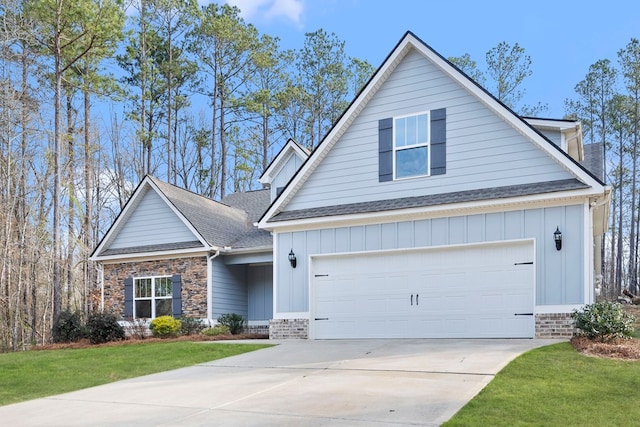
(562, 37)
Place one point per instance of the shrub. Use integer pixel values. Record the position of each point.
(68, 328)
(138, 328)
(235, 322)
(104, 327)
(603, 321)
(165, 327)
(190, 326)
(216, 330)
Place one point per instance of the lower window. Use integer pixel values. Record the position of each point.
(152, 297)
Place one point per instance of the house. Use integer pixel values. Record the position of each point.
(430, 210)
(174, 252)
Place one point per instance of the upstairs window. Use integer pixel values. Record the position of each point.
(411, 145)
(152, 297)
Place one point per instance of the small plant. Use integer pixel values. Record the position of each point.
(216, 330)
(104, 327)
(604, 321)
(235, 322)
(68, 328)
(137, 328)
(190, 326)
(165, 327)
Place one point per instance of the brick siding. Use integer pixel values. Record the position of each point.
(288, 329)
(554, 325)
(193, 272)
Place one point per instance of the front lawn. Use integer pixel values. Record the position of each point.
(33, 374)
(557, 386)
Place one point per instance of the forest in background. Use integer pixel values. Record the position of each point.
(95, 94)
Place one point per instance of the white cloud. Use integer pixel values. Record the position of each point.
(270, 9)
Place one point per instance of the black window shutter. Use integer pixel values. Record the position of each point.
(128, 297)
(385, 150)
(439, 141)
(176, 289)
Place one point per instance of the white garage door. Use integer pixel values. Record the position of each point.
(479, 291)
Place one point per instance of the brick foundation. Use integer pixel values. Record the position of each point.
(194, 282)
(554, 325)
(288, 329)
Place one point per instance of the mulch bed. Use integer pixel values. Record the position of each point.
(131, 340)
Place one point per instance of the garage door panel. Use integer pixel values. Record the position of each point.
(452, 292)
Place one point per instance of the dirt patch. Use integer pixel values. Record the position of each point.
(196, 338)
(619, 349)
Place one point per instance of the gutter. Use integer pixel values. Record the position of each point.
(100, 271)
(210, 284)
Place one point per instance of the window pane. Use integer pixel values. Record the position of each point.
(422, 129)
(400, 129)
(411, 162)
(412, 124)
(143, 309)
(163, 286)
(163, 307)
(143, 288)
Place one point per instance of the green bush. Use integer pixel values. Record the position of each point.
(165, 327)
(190, 326)
(104, 327)
(603, 321)
(216, 330)
(68, 328)
(235, 322)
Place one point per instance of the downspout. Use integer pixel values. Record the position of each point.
(100, 271)
(210, 285)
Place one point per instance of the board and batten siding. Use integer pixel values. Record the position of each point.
(483, 151)
(152, 223)
(229, 289)
(559, 274)
(260, 288)
(285, 173)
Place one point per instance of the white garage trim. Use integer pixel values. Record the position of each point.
(372, 295)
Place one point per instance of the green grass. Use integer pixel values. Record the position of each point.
(33, 374)
(557, 386)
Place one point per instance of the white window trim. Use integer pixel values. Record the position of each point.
(427, 144)
(153, 298)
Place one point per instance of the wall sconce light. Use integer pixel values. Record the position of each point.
(557, 237)
(292, 259)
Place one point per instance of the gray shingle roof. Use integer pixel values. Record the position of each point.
(254, 203)
(217, 223)
(432, 200)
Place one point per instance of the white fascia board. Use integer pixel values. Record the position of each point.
(142, 256)
(437, 211)
(241, 251)
(179, 214)
(553, 309)
(291, 315)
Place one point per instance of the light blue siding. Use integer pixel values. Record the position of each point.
(559, 274)
(152, 223)
(483, 151)
(260, 287)
(554, 136)
(229, 291)
(285, 173)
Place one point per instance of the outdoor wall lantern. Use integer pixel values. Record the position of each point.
(557, 237)
(292, 259)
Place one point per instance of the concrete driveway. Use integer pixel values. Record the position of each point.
(296, 383)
